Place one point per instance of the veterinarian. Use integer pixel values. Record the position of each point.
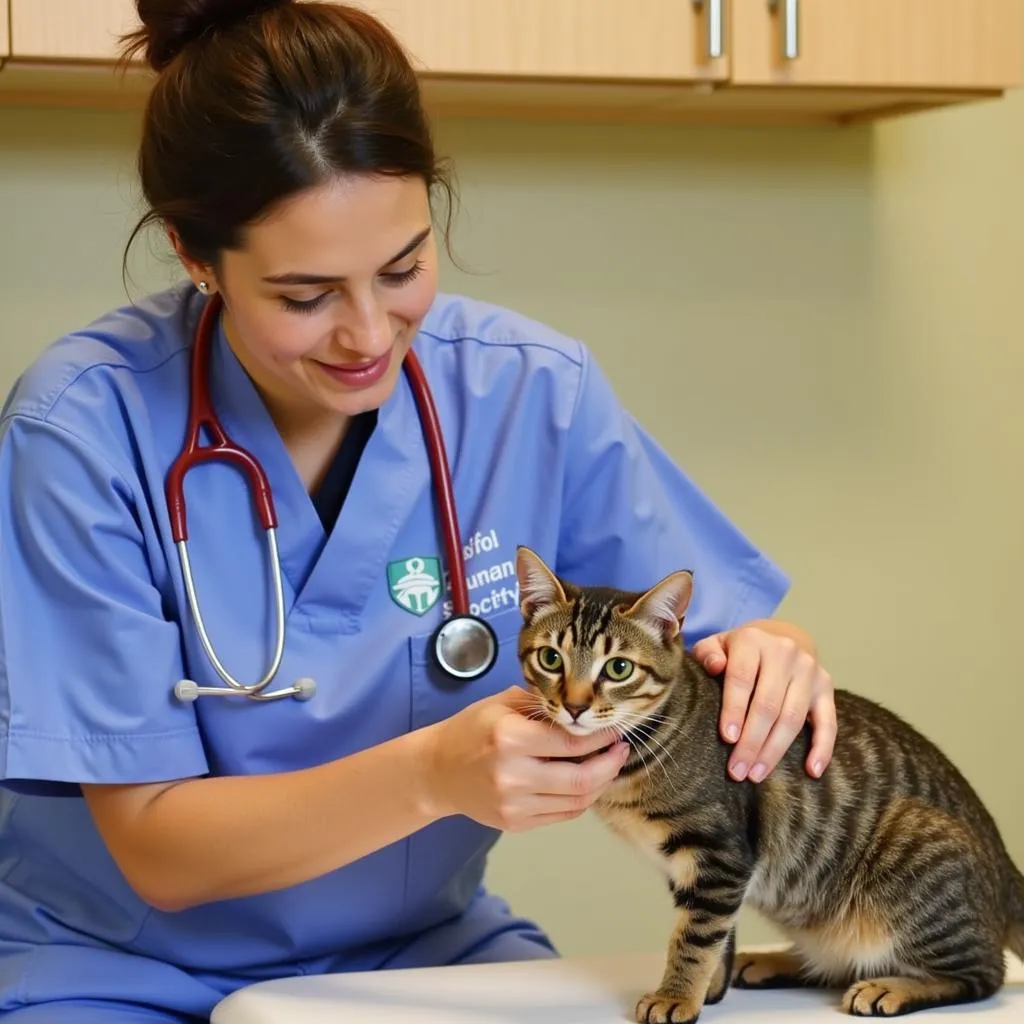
(237, 743)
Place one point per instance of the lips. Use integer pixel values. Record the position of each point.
(358, 375)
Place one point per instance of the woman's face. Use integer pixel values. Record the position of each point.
(326, 296)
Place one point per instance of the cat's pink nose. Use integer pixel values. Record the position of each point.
(575, 710)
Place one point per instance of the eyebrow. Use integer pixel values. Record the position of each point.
(300, 278)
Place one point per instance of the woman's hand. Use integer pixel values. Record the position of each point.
(772, 667)
(503, 769)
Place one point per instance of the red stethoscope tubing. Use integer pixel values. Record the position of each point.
(433, 438)
(202, 414)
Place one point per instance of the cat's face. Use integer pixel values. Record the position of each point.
(598, 658)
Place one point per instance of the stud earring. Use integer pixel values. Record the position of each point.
(203, 287)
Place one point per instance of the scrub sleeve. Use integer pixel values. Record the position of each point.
(88, 655)
(630, 516)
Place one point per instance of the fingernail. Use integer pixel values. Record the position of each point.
(758, 772)
(739, 771)
(818, 768)
(732, 733)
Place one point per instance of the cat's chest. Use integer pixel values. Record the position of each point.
(653, 837)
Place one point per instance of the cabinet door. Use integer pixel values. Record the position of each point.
(69, 29)
(5, 48)
(658, 40)
(921, 44)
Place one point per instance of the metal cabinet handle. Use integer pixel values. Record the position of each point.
(716, 26)
(790, 26)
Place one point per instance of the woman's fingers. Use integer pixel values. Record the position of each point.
(578, 778)
(824, 727)
(788, 723)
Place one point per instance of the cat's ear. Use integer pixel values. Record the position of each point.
(664, 606)
(538, 585)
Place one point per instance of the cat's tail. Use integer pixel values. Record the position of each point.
(1015, 932)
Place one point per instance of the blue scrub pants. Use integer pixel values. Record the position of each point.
(160, 994)
(94, 1013)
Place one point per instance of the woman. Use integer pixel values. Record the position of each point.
(156, 852)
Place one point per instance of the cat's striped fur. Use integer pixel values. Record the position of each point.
(888, 873)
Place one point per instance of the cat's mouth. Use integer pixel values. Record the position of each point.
(584, 724)
(580, 730)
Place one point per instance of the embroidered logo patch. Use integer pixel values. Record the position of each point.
(415, 583)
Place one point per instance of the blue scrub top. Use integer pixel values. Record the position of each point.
(95, 629)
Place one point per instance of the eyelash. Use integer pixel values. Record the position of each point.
(310, 306)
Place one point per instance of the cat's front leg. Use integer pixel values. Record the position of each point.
(693, 970)
(722, 978)
(708, 892)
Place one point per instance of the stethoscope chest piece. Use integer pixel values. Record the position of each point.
(465, 647)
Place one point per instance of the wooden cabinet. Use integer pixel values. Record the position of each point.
(793, 61)
(892, 44)
(5, 39)
(640, 39)
(533, 38)
(69, 30)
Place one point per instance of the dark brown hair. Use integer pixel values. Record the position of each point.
(257, 100)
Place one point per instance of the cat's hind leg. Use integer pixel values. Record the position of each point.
(935, 883)
(771, 969)
(897, 996)
(964, 969)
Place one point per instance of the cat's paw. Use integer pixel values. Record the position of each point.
(768, 970)
(893, 997)
(661, 1008)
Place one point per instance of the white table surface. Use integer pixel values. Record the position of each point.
(587, 990)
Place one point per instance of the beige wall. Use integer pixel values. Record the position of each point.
(824, 328)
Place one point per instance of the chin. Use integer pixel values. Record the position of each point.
(576, 729)
(356, 402)
(580, 728)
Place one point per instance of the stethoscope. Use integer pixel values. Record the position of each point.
(465, 646)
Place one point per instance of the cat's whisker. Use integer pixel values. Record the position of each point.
(673, 784)
(537, 709)
(657, 760)
(640, 722)
(538, 715)
(637, 718)
(652, 721)
(659, 745)
(656, 757)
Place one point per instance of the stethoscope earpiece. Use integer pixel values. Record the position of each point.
(187, 691)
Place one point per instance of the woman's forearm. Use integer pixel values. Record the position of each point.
(199, 840)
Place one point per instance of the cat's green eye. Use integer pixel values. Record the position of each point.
(550, 660)
(618, 669)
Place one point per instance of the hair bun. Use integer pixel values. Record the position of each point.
(168, 26)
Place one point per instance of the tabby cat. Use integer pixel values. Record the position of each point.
(887, 874)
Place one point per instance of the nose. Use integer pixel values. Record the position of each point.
(575, 710)
(367, 328)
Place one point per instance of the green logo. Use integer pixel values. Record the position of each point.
(415, 583)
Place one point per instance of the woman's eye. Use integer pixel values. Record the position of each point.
(398, 278)
(618, 669)
(304, 306)
(550, 660)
